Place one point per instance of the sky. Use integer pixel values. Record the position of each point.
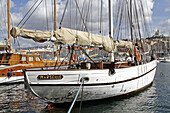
(158, 17)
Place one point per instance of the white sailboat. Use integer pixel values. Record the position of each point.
(99, 79)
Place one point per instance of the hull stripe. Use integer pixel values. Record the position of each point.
(95, 84)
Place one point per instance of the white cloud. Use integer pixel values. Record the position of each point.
(38, 19)
(164, 27)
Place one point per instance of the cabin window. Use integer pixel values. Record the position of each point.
(37, 59)
(31, 58)
(2, 74)
(24, 58)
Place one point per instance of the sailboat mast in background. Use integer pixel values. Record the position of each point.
(55, 28)
(9, 27)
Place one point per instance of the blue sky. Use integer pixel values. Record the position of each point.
(161, 15)
(159, 10)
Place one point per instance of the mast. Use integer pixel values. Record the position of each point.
(131, 22)
(111, 55)
(9, 27)
(110, 19)
(55, 16)
(55, 28)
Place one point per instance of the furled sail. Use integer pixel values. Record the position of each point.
(38, 36)
(126, 44)
(69, 36)
(66, 36)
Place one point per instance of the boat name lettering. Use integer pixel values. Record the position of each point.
(50, 77)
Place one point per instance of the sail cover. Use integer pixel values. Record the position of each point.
(69, 36)
(126, 44)
(38, 36)
(66, 36)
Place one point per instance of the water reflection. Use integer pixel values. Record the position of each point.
(143, 102)
(15, 98)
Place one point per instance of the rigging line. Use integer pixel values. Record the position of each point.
(143, 15)
(120, 21)
(82, 10)
(52, 19)
(3, 14)
(143, 25)
(119, 6)
(19, 44)
(31, 13)
(81, 16)
(69, 111)
(101, 16)
(2, 31)
(126, 21)
(90, 58)
(87, 13)
(120, 3)
(81, 99)
(114, 16)
(27, 13)
(135, 22)
(63, 14)
(138, 22)
(70, 14)
(91, 16)
(149, 25)
(46, 14)
(127, 5)
(61, 62)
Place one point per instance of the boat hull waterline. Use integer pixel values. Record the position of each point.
(100, 83)
(11, 80)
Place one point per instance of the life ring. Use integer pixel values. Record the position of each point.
(74, 57)
(137, 55)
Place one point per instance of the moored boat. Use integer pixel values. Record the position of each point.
(99, 79)
(60, 86)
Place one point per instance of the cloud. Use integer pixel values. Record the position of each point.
(72, 19)
(3, 18)
(164, 27)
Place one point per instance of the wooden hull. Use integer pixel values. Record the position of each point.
(100, 83)
(15, 78)
(12, 74)
(9, 63)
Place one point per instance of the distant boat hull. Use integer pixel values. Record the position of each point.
(100, 84)
(165, 60)
(12, 74)
(12, 80)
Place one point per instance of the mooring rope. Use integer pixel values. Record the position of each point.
(69, 111)
(81, 100)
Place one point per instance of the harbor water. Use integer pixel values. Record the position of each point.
(154, 99)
